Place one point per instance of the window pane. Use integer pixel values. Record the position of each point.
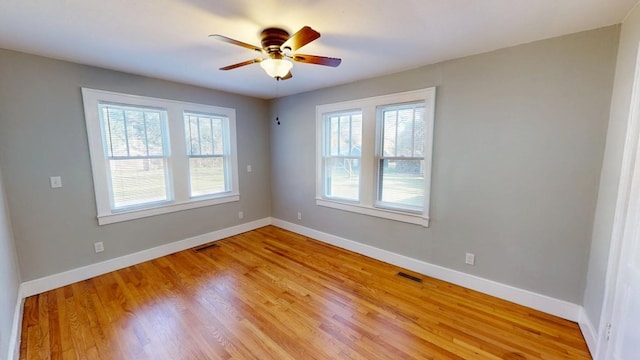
(206, 137)
(333, 135)
(154, 134)
(114, 131)
(418, 135)
(205, 134)
(403, 131)
(206, 146)
(390, 132)
(342, 178)
(217, 130)
(343, 135)
(136, 133)
(207, 176)
(404, 145)
(132, 132)
(192, 136)
(356, 135)
(402, 183)
(344, 142)
(138, 181)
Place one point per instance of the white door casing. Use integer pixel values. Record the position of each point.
(624, 334)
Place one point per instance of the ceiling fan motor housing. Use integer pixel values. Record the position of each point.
(272, 39)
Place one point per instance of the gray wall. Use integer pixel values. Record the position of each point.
(518, 147)
(9, 275)
(611, 167)
(43, 133)
(519, 141)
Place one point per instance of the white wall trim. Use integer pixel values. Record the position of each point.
(588, 331)
(55, 281)
(547, 304)
(621, 212)
(16, 328)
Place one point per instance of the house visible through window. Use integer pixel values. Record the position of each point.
(374, 155)
(153, 156)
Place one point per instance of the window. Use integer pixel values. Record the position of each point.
(341, 158)
(208, 153)
(400, 156)
(153, 156)
(374, 155)
(136, 150)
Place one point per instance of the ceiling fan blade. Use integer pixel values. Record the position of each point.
(300, 39)
(236, 42)
(234, 66)
(318, 60)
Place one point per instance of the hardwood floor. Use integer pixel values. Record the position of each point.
(272, 294)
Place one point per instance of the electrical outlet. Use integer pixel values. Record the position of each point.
(240, 215)
(249, 169)
(99, 247)
(470, 259)
(299, 215)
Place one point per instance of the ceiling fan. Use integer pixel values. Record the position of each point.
(280, 50)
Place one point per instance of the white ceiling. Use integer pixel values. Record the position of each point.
(168, 39)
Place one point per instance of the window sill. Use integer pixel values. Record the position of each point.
(377, 212)
(164, 209)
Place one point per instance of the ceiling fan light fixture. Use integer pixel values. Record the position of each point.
(276, 68)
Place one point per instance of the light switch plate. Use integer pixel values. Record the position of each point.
(56, 182)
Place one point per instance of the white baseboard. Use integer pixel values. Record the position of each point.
(55, 281)
(588, 332)
(549, 305)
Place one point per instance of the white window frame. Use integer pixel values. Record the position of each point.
(225, 155)
(116, 157)
(368, 204)
(178, 182)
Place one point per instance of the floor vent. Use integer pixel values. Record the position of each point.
(410, 277)
(206, 247)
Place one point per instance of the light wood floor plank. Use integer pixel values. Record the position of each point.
(273, 294)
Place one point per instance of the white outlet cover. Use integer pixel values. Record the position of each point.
(470, 259)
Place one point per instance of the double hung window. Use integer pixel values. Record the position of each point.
(400, 157)
(135, 147)
(374, 155)
(341, 160)
(208, 152)
(153, 156)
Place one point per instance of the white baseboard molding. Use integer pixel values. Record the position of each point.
(547, 304)
(55, 281)
(588, 332)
